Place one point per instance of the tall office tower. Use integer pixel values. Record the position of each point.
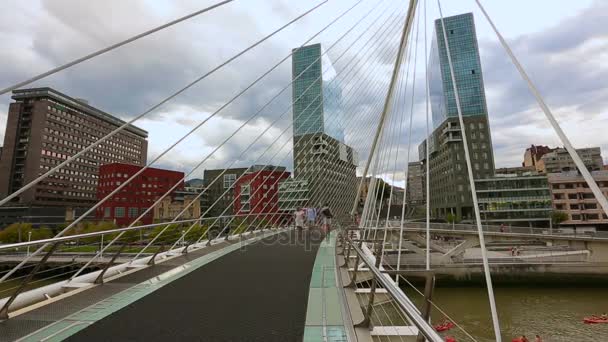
(46, 127)
(316, 96)
(450, 190)
(320, 156)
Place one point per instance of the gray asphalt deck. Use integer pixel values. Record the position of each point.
(29, 322)
(259, 294)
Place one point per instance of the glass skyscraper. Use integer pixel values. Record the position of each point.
(316, 99)
(449, 180)
(464, 50)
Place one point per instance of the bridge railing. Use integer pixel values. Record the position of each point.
(87, 257)
(368, 260)
(587, 233)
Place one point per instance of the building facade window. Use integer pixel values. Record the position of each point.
(133, 211)
(229, 180)
(119, 212)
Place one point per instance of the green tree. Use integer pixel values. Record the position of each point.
(557, 217)
(15, 231)
(195, 233)
(169, 235)
(451, 218)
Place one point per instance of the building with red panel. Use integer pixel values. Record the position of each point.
(132, 200)
(258, 191)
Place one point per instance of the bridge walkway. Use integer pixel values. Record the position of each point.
(256, 293)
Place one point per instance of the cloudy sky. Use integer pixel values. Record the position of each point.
(561, 43)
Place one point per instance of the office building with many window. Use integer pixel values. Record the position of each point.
(329, 167)
(572, 196)
(449, 180)
(415, 188)
(559, 160)
(46, 127)
(321, 159)
(258, 193)
(219, 187)
(316, 98)
(138, 195)
(293, 194)
(515, 198)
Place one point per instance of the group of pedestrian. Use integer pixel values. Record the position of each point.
(310, 218)
(515, 251)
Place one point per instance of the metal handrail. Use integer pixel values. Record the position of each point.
(110, 231)
(507, 230)
(398, 296)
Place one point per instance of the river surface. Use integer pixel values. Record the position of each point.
(555, 314)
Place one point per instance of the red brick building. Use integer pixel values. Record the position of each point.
(137, 196)
(257, 192)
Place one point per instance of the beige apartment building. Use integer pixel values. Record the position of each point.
(571, 195)
(171, 207)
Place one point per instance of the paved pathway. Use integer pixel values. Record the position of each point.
(259, 294)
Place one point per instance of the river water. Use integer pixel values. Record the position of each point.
(555, 314)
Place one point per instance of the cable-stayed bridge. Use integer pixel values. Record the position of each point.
(240, 269)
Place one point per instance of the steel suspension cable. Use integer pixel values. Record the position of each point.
(308, 142)
(200, 194)
(406, 187)
(409, 148)
(406, 29)
(597, 192)
(484, 256)
(169, 191)
(111, 47)
(228, 206)
(154, 107)
(359, 86)
(179, 140)
(427, 148)
(286, 156)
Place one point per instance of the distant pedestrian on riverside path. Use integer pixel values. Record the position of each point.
(311, 217)
(326, 214)
(299, 218)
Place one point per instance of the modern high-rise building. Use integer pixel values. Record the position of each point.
(415, 187)
(46, 127)
(450, 190)
(321, 158)
(316, 98)
(464, 51)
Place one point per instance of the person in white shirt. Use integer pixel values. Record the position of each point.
(299, 219)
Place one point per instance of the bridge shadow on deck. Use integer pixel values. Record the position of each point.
(258, 293)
